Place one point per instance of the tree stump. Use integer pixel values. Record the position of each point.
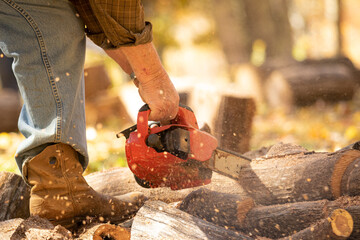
(234, 123)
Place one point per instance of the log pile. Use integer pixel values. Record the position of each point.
(287, 192)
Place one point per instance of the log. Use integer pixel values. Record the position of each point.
(275, 221)
(96, 81)
(287, 173)
(118, 181)
(156, 220)
(228, 112)
(304, 83)
(336, 227)
(282, 220)
(233, 123)
(100, 231)
(223, 209)
(290, 173)
(14, 196)
(33, 228)
(112, 108)
(10, 107)
(355, 213)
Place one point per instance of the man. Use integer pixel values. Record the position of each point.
(47, 41)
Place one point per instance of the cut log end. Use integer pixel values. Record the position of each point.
(341, 223)
(105, 231)
(339, 169)
(111, 232)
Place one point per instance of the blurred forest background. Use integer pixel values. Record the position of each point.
(297, 60)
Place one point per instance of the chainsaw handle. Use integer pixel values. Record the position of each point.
(142, 120)
(185, 116)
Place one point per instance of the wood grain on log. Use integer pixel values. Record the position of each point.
(156, 220)
(104, 231)
(14, 196)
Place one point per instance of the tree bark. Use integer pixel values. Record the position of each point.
(223, 209)
(289, 173)
(14, 196)
(156, 220)
(104, 231)
(275, 221)
(337, 227)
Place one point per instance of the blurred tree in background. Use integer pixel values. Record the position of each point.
(253, 31)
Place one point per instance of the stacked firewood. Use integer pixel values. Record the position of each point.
(287, 192)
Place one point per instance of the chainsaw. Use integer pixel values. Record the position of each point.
(178, 155)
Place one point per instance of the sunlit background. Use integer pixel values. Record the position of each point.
(236, 48)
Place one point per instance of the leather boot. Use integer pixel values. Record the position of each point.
(60, 193)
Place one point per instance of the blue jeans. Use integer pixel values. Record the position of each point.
(47, 41)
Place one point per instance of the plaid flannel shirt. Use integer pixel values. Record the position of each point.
(114, 23)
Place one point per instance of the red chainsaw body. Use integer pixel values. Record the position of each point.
(163, 169)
